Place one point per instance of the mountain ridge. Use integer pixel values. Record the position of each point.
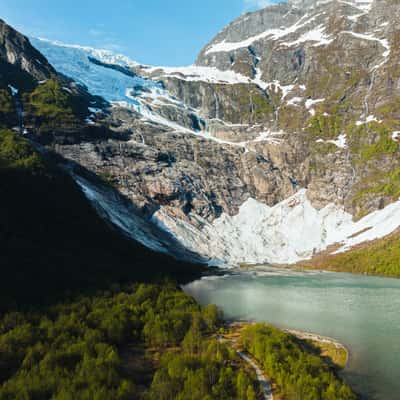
(259, 121)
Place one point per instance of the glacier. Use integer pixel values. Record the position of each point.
(118, 88)
(74, 62)
(291, 231)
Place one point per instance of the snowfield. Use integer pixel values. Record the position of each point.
(196, 73)
(291, 231)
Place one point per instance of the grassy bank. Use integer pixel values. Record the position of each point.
(333, 352)
(380, 257)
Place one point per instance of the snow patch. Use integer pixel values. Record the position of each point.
(340, 142)
(14, 91)
(74, 61)
(294, 101)
(363, 5)
(105, 56)
(204, 74)
(273, 34)
(135, 92)
(316, 35)
(95, 110)
(310, 102)
(370, 118)
(119, 214)
(119, 89)
(384, 42)
(276, 87)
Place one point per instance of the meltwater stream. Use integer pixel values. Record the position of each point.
(361, 312)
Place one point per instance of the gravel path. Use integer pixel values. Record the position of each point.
(264, 382)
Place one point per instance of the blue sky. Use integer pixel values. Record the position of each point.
(158, 32)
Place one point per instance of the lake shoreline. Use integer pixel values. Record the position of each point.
(357, 311)
(320, 339)
(302, 335)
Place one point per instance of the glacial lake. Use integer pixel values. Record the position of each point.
(361, 312)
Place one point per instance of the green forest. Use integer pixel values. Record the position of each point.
(299, 375)
(150, 342)
(86, 349)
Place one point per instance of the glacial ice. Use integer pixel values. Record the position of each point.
(291, 231)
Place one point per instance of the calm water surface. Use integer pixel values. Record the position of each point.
(361, 312)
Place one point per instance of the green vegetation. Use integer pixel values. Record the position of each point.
(261, 106)
(73, 350)
(369, 156)
(325, 127)
(334, 354)
(299, 375)
(6, 103)
(204, 370)
(373, 152)
(52, 104)
(380, 183)
(244, 103)
(381, 257)
(7, 106)
(17, 153)
(87, 347)
(384, 145)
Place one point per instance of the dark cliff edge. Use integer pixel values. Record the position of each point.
(52, 240)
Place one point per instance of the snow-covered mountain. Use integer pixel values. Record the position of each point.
(280, 142)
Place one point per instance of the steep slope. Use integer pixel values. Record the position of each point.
(334, 66)
(300, 95)
(54, 241)
(21, 64)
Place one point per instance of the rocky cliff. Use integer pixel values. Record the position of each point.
(16, 51)
(286, 126)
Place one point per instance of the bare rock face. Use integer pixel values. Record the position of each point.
(243, 103)
(329, 68)
(173, 170)
(17, 51)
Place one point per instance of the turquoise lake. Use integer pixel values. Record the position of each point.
(361, 312)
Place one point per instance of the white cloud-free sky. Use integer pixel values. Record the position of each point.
(154, 32)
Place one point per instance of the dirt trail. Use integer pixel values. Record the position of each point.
(263, 381)
(231, 337)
